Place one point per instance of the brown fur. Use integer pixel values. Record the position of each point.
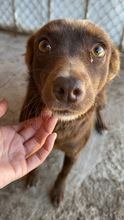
(70, 60)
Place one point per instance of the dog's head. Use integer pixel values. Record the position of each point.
(70, 62)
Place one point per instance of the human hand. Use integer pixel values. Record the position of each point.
(24, 146)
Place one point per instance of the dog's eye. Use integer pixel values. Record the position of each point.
(44, 46)
(98, 51)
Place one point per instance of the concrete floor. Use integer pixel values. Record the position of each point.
(95, 188)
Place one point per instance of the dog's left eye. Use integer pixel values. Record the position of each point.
(44, 46)
(98, 51)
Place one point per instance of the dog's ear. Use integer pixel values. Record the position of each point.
(29, 52)
(114, 65)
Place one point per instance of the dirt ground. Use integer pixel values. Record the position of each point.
(95, 189)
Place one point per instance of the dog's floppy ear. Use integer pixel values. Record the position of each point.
(29, 52)
(114, 64)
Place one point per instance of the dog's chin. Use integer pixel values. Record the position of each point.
(65, 115)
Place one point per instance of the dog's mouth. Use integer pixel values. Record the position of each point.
(65, 115)
(63, 112)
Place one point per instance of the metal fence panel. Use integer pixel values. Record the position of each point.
(27, 16)
(6, 14)
(67, 9)
(110, 16)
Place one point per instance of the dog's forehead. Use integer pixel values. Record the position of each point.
(70, 26)
(60, 24)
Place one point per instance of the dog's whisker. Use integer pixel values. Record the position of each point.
(31, 101)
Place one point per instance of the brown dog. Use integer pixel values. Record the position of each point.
(70, 64)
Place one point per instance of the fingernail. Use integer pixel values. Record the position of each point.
(55, 135)
(46, 112)
(55, 117)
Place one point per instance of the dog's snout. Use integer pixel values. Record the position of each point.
(68, 90)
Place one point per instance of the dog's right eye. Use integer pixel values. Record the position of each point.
(44, 46)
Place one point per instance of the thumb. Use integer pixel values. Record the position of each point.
(3, 107)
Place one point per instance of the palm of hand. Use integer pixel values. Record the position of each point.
(12, 154)
(25, 146)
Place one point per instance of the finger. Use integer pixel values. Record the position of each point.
(36, 122)
(39, 138)
(31, 128)
(36, 159)
(46, 113)
(3, 107)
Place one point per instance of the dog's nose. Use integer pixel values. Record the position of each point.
(68, 89)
